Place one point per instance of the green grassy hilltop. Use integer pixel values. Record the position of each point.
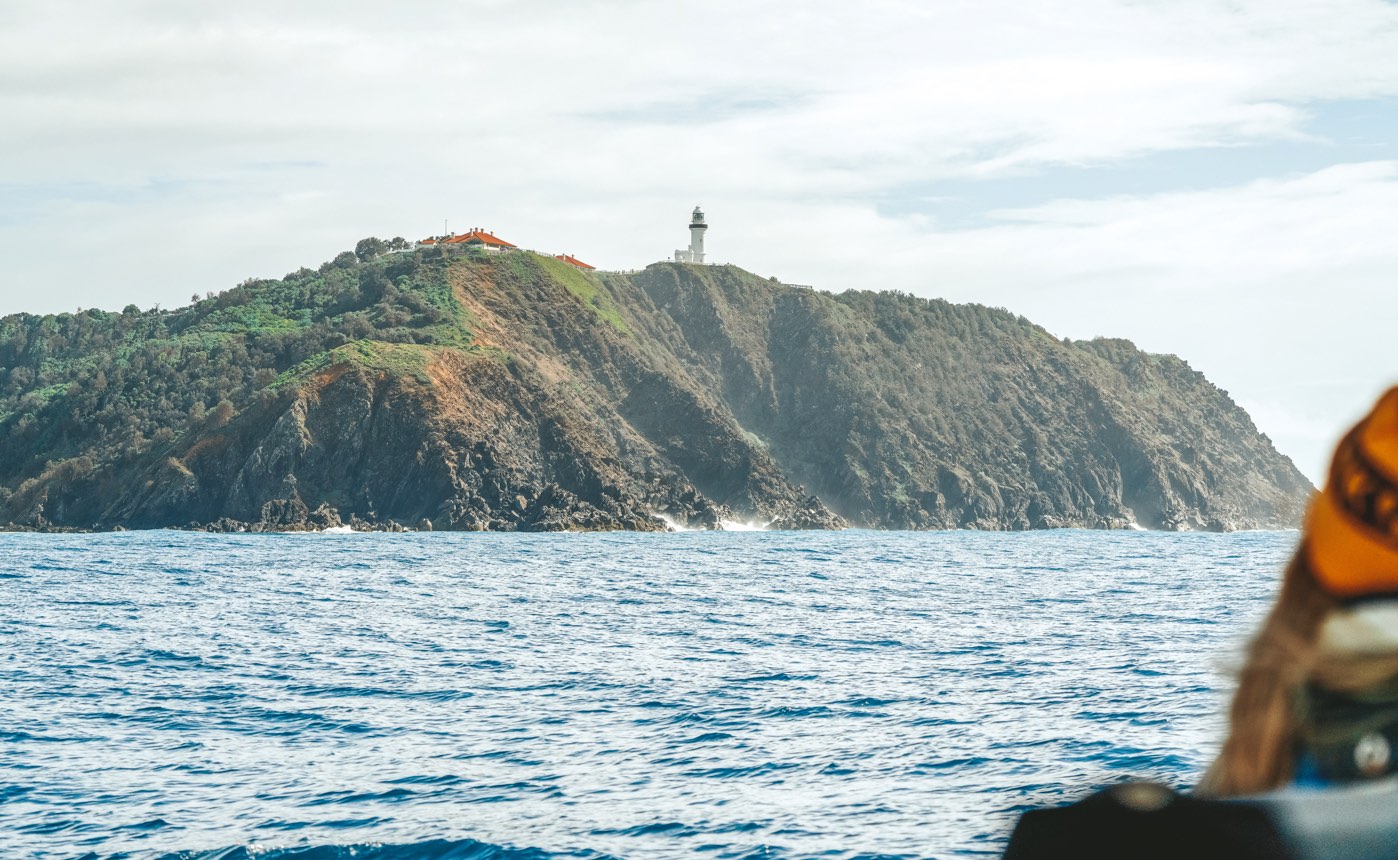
(513, 391)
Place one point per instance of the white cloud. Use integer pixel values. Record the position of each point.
(885, 90)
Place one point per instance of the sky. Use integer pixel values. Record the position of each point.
(1216, 179)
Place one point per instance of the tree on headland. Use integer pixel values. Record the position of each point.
(368, 249)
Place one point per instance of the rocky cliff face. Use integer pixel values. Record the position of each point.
(515, 392)
(907, 413)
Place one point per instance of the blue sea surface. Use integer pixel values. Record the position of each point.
(753, 694)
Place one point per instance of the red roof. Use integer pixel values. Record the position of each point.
(572, 261)
(478, 236)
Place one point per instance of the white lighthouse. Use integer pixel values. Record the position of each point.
(695, 252)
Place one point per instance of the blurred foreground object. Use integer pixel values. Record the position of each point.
(1147, 821)
(1317, 699)
(1308, 770)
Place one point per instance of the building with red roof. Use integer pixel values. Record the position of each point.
(475, 237)
(488, 241)
(573, 261)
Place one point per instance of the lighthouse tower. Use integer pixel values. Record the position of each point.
(695, 252)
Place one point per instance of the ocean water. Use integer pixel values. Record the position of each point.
(725, 695)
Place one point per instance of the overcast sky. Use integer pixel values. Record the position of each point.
(1217, 180)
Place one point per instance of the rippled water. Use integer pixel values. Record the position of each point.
(535, 696)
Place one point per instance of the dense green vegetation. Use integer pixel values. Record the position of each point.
(97, 387)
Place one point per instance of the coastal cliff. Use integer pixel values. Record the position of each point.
(515, 392)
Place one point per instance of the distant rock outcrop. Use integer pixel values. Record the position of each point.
(514, 392)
